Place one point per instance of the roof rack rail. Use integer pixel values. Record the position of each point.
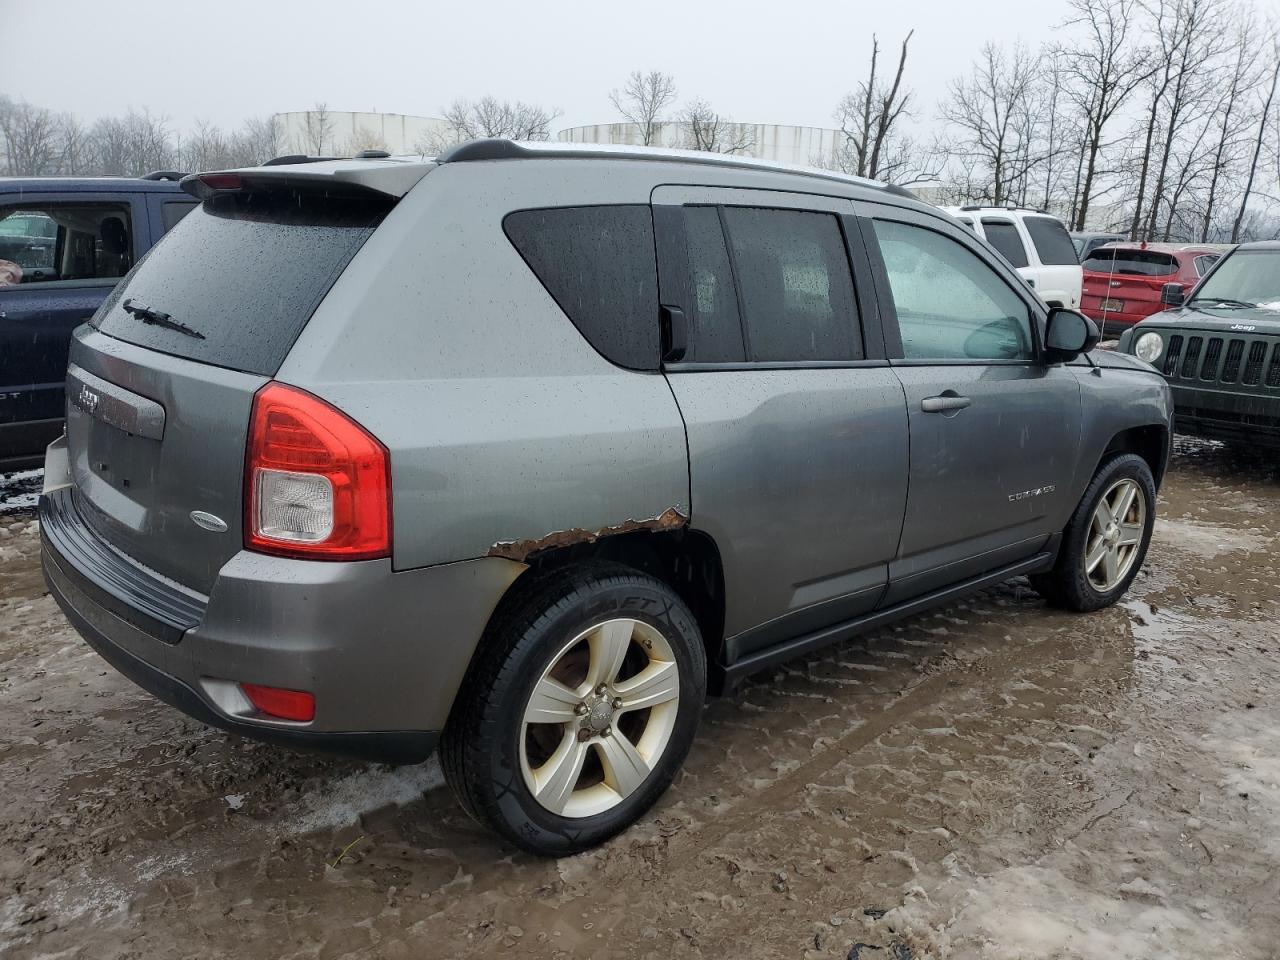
(500, 149)
(295, 158)
(163, 175)
(489, 148)
(372, 155)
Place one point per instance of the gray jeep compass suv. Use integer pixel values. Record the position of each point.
(528, 448)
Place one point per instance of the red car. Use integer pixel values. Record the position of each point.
(1123, 282)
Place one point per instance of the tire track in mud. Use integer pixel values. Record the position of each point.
(913, 700)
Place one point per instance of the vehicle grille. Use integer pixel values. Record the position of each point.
(1206, 358)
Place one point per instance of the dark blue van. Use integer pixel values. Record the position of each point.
(64, 243)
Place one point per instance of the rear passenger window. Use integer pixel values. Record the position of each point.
(1053, 243)
(795, 288)
(1003, 235)
(715, 331)
(598, 263)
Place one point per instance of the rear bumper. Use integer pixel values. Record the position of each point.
(383, 652)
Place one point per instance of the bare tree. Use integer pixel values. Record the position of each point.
(1057, 126)
(207, 148)
(317, 129)
(258, 140)
(869, 117)
(132, 145)
(1199, 37)
(1244, 75)
(365, 139)
(491, 117)
(1104, 69)
(991, 112)
(1264, 118)
(643, 100)
(30, 137)
(75, 147)
(712, 132)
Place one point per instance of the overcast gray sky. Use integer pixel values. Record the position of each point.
(223, 60)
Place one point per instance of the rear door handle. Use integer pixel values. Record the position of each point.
(944, 403)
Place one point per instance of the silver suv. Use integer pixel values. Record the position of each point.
(527, 449)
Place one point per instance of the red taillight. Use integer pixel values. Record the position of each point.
(317, 484)
(284, 704)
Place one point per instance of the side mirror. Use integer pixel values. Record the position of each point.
(1068, 334)
(1173, 294)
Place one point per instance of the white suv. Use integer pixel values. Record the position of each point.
(1036, 243)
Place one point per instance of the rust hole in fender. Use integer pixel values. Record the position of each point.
(521, 550)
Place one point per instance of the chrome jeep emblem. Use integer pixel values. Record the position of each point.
(207, 521)
(1244, 327)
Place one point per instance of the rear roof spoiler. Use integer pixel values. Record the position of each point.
(392, 177)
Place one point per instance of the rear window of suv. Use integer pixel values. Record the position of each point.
(1052, 241)
(1144, 263)
(246, 271)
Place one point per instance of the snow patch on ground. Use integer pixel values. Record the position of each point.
(344, 801)
(1206, 540)
(1248, 744)
(1038, 911)
(19, 491)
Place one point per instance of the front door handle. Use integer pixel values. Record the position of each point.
(944, 404)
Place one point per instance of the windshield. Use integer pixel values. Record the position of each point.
(1248, 276)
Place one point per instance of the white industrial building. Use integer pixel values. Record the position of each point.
(342, 132)
(780, 143)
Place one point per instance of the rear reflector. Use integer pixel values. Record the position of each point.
(295, 705)
(317, 484)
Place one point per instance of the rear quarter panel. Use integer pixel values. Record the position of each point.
(506, 428)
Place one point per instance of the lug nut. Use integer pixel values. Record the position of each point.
(601, 690)
(580, 709)
(607, 732)
(584, 734)
(617, 703)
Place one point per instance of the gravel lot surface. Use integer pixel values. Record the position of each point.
(993, 780)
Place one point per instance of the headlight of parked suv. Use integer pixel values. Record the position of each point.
(1149, 347)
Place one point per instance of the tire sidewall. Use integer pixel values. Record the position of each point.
(1125, 466)
(636, 598)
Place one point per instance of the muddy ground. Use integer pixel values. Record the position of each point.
(993, 780)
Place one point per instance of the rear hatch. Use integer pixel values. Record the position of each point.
(1126, 283)
(162, 380)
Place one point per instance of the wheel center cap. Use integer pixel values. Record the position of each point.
(600, 715)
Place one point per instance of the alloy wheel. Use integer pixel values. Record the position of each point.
(1115, 535)
(599, 718)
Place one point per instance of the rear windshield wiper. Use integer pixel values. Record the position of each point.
(1223, 302)
(147, 315)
